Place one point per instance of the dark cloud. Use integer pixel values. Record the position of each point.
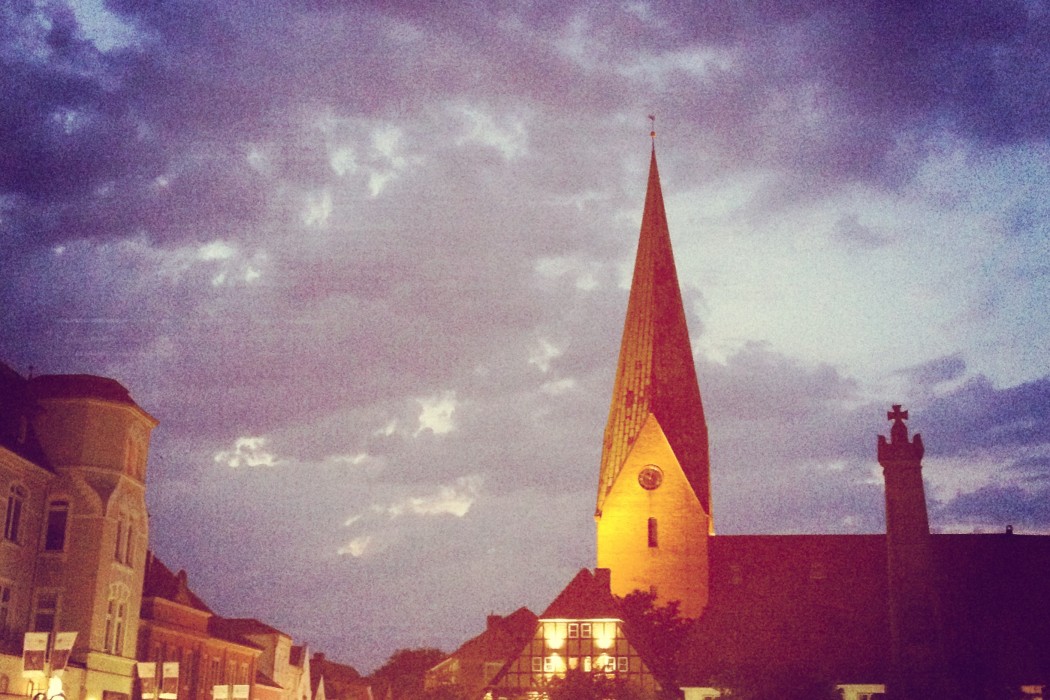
(936, 371)
(295, 222)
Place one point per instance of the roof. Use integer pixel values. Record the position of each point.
(245, 626)
(83, 386)
(160, 582)
(820, 603)
(17, 409)
(341, 681)
(587, 597)
(503, 637)
(656, 374)
(80, 386)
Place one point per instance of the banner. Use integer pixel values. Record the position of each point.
(220, 692)
(240, 692)
(61, 651)
(169, 684)
(34, 652)
(148, 679)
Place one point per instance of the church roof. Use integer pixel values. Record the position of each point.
(818, 604)
(587, 597)
(656, 374)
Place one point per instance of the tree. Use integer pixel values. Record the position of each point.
(658, 631)
(401, 677)
(582, 685)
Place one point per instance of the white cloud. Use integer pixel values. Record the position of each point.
(455, 499)
(559, 387)
(247, 452)
(356, 547)
(542, 355)
(436, 413)
(216, 250)
(318, 209)
(509, 138)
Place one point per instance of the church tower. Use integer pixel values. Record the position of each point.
(917, 659)
(654, 496)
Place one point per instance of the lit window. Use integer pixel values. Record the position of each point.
(621, 664)
(574, 630)
(652, 533)
(537, 664)
(13, 523)
(585, 630)
(55, 534)
(586, 664)
(46, 612)
(548, 664)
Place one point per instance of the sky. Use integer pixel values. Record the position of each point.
(368, 265)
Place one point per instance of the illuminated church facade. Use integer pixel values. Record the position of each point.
(906, 615)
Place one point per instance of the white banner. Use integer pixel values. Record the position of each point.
(60, 652)
(169, 684)
(34, 652)
(148, 678)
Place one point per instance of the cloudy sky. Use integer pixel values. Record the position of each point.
(368, 265)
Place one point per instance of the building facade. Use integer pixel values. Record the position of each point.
(73, 454)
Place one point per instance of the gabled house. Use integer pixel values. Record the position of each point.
(177, 626)
(580, 638)
(334, 681)
(471, 667)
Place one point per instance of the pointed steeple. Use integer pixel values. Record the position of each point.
(656, 374)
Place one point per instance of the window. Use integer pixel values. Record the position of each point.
(574, 630)
(123, 550)
(13, 523)
(652, 533)
(621, 664)
(548, 664)
(586, 664)
(585, 630)
(537, 664)
(5, 607)
(55, 534)
(46, 612)
(116, 619)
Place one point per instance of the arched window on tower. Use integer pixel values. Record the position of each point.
(653, 535)
(124, 550)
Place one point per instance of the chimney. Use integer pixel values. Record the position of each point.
(602, 578)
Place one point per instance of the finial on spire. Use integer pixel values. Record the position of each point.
(652, 133)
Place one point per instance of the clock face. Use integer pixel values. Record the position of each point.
(650, 477)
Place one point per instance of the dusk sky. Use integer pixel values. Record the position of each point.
(368, 264)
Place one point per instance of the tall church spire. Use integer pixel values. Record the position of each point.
(656, 375)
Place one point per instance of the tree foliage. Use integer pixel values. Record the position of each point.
(401, 677)
(581, 685)
(657, 630)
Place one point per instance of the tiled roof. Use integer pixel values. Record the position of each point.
(246, 625)
(820, 603)
(160, 582)
(17, 409)
(656, 374)
(586, 597)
